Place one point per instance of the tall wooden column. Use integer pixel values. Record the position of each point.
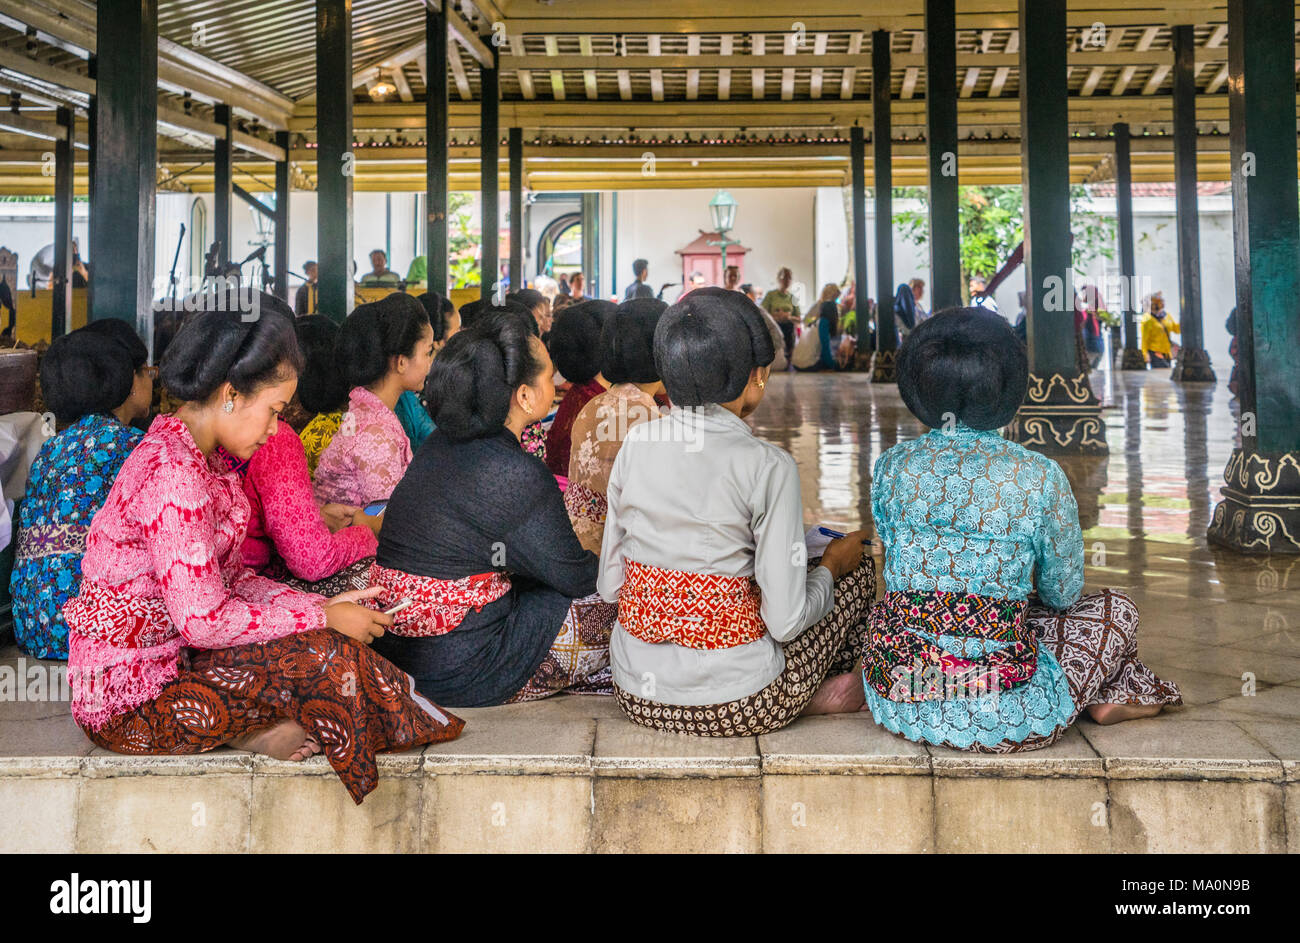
(436, 146)
(1193, 362)
(124, 162)
(64, 159)
(516, 148)
(334, 160)
(1132, 357)
(1260, 510)
(223, 180)
(941, 147)
(858, 168)
(884, 369)
(489, 148)
(282, 190)
(1061, 414)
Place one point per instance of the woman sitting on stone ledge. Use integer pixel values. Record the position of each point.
(384, 350)
(176, 647)
(504, 606)
(723, 630)
(326, 550)
(958, 654)
(627, 362)
(96, 379)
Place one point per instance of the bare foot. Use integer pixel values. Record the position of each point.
(841, 694)
(1107, 714)
(283, 741)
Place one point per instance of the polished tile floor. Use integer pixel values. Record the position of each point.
(1225, 626)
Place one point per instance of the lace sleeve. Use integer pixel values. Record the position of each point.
(1060, 543)
(381, 461)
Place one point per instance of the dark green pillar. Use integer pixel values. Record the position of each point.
(516, 208)
(64, 158)
(125, 162)
(1132, 357)
(1260, 510)
(1193, 362)
(222, 181)
(861, 287)
(436, 146)
(489, 184)
(591, 244)
(1060, 413)
(334, 158)
(884, 369)
(282, 188)
(941, 144)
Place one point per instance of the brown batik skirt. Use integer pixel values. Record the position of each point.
(1095, 641)
(578, 662)
(354, 702)
(832, 646)
(354, 576)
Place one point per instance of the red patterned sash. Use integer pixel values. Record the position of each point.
(904, 666)
(120, 619)
(696, 610)
(581, 501)
(439, 605)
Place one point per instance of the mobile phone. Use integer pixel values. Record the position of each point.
(827, 532)
(399, 607)
(376, 508)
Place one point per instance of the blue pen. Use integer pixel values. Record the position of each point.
(826, 531)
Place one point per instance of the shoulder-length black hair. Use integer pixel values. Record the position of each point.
(574, 340)
(963, 364)
(374, 333)
(477, 373)
(214, 347)
(85, 372)
(627, 342)
(322, 387)
(707, 345)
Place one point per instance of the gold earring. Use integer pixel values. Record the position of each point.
(762, 384)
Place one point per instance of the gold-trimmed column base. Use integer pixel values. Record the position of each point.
(1260, 510)
(1060, 416)
(1193, 366)
(1132, 359)
(885, 367)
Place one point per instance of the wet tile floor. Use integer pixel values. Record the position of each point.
(1220, 624)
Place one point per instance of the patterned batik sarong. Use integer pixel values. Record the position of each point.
(584, 504)
(901, 663)
(578, 660)
(1088, 650)
(354, 576)
(353, 702)
(695, 610)
(832, 646)
(437, 606)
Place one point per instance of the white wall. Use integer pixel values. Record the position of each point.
(776, 225)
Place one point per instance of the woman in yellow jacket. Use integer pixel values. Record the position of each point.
(1157, 329)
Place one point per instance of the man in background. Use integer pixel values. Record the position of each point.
(304, 300)
(380, 275)
(639, 288)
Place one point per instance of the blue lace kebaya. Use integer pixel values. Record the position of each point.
(970, 512)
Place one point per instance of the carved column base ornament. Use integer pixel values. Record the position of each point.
(885, 368)
(1260, 510)
(1193, 366)
(1132, 359)
(1060, 415)
(861, 361)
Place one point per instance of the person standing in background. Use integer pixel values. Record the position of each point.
(918, 292)
(639, 288)
(731, 277)
(304, 300)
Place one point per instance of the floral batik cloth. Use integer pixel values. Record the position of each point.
(68, 483)
(596, 436)
(533, 439)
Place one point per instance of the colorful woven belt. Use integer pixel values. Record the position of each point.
(45, 540)
(902, 665)
(120, 619)
(438, 606)
(695, 610)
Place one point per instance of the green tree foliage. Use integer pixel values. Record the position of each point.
(992, 225)
(464, 239)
